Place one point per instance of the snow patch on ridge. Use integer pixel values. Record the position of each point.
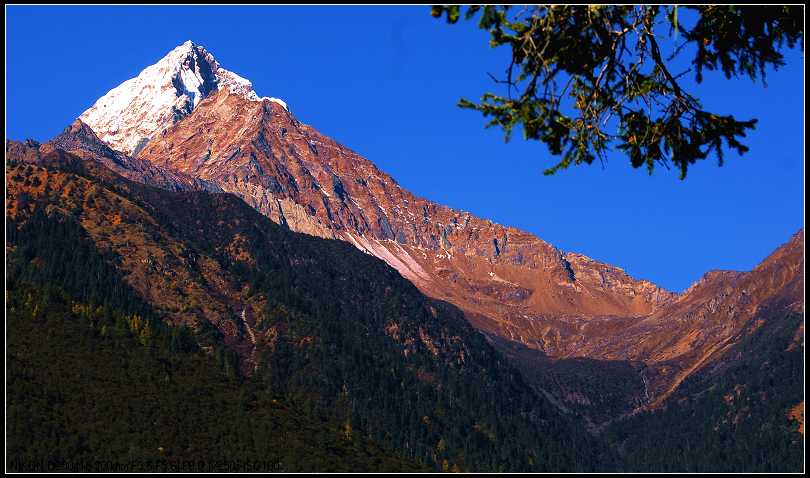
(276, 100)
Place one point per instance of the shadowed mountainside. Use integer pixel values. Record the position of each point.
(318, 322)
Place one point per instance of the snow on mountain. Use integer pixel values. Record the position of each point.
(129, 115)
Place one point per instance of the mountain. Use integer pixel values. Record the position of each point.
(562, 309)
(595, 348)
(163, 93)
(718, 312)
(621, 367)
(298, 177)
(742, 409)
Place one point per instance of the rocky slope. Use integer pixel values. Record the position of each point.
(80, 140)
(742, 411)
(300, 178)
(644, 360)
(721, 310)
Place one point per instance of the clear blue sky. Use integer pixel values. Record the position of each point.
(385, 81)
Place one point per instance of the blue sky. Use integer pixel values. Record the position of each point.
(385, 81)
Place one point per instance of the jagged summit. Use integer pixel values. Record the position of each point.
(129, 115)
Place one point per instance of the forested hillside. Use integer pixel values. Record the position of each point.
(96, 382)
(734, 421)
(341, 338)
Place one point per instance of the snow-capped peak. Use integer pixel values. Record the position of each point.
(162, 94)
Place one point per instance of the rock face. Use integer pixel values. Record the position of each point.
(298, 177)
(697, 327)
(80, 140)
(516, 288)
